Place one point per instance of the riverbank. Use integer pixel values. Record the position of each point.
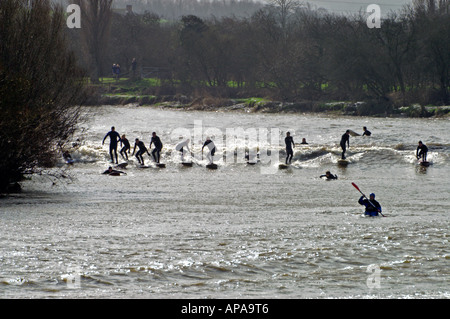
(138, 94)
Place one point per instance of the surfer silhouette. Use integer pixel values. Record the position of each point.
(126, 147)
(345, 140)
(111, 171)
(114, 138)
(289, 141)
(180, 147)
(422, 151)
(366, 132)
(328, 175)
(212, 149)
(156, 153)
(142, 150)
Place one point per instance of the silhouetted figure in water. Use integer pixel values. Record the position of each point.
(142, 150)
(328, 175)
(289, 141)
(366, 132)
(126, 147)
(156, 153)
(372, 206)
(111, 171)
(212, 149)
(114, 139)
(345, 140)
(181, 147)
(422, 151)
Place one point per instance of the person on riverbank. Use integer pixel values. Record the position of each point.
(366, 132)
(212, 149)
(114, 138)
(142, 150)
(289, 141)
(134, 67)
(126, 147)
(372, 206)
(180, 147)
(345, 139)
(328, 175)
(422, 151)
(156, 153)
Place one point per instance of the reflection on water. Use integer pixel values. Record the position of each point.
(189, 232)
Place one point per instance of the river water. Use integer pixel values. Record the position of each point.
(241, 231)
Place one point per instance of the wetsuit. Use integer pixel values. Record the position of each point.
(180, 148)
(113, 172)
(422, 151)
(212, 150)
(370, 210)
(331, 176)
(289, 152)
(126, 147)
(158, 147)
(142, 150)
(114, 139)
(345, 140)
(367, 133)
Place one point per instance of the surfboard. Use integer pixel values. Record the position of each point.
(343, 162)
(114, 174)
(187, 164)
(353, 133)
(251, 163)
(424, 163)
(211, 166)
(121, 165)
(283, 166)
(160, 165)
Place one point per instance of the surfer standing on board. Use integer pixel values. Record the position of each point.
(180, 147)
(289, 141)
(142, 150)
(126, 147)
(114, 139)
(372, 206)
(345, 139)
(156, 153)
(212, 149)
(422, 151)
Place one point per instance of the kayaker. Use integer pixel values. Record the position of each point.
(372, 206)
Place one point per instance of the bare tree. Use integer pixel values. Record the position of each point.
(40, 87)
(96, 21)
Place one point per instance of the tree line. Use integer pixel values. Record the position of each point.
(286, 51)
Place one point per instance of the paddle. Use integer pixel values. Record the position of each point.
(356, 186)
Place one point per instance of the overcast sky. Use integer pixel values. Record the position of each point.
(354, 6)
